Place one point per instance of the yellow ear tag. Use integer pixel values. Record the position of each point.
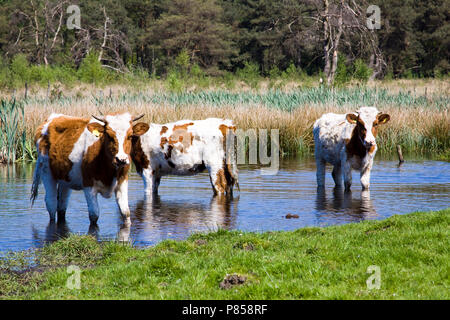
(96, 133)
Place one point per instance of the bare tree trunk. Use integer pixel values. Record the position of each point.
(337, 18)
(336, 41)
(327, 40)
(105, 35)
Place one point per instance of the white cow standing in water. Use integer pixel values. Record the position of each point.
(186, 147)
(347, 141)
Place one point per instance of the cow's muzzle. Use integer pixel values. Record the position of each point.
(120, 162)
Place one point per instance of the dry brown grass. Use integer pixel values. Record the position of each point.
(417, 130)
(418, 109)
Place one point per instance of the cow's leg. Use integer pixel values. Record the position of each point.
(156, 180)
(320, 173)
(218, 179)
(51, 193)
(347, 170)
(337, 175)
(122, 201)
(63, 200)
(365, 175)
(92, 203)
(151, 181)
(147, 178)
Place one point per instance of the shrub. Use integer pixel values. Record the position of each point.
(91, 69)
(5, 74)
(20, 69)
(199, 76)
(182, 62)
(291, 72)
(274, 72)
(361, 71)
(249, 74)
(342, 75)
(174, 82)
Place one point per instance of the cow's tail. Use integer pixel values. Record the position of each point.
(36, 180)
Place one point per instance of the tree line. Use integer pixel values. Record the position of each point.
(218, 36)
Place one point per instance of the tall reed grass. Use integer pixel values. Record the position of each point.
(419, 122)
(14, 144)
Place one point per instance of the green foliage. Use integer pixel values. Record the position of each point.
(182, 62)
(274, 72)
(91, 70)
(249, 74)
(20, 68)
(174, 81)
(361, 71)
(291, 72)
(12, 137)
(218, 36)
(342, 76)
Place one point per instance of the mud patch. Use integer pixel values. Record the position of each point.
(232, 280)
(201, 242)
(247, 246)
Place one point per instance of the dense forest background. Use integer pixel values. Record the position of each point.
(218, 37)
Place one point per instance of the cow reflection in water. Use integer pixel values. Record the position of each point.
(344, 203)
(57, 230)
(155, 220)
(54, 231)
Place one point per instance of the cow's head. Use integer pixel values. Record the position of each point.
(115, 132)
(367, 120)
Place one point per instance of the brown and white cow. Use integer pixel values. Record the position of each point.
(186, 147)
(82, 154)
(347, 141)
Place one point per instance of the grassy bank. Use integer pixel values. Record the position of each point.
(419, 115)
(412, 252)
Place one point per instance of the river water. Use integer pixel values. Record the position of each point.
(186, 204)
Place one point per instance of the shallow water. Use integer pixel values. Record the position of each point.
(186, 204)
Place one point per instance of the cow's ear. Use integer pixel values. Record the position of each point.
(140, 128)
(383, 118)
(96, 128)
(351, 117)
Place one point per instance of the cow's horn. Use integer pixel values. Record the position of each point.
(99, 119)
(138, 117)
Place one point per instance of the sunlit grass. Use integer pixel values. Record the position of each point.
(410, 250)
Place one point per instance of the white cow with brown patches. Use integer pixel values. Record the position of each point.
(92, 155)
(347, 141)
(186, 147)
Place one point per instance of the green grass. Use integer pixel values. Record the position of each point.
(342, 98)
(14, 144)
(411, 250)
